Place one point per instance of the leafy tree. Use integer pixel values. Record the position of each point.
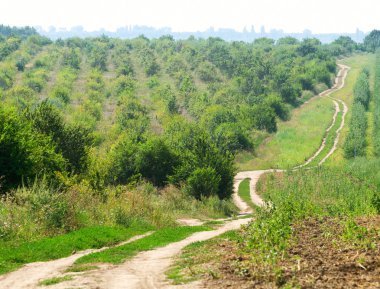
(372, 41)
(203, 182)
(24, 152)
(156, 161)
(71, 141)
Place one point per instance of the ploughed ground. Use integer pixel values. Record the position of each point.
(318, 256)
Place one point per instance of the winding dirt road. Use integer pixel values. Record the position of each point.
(147, 269)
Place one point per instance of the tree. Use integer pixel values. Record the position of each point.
(156, 161)
(372, 41)
(72, 141)
(203, 182)
(24, 152)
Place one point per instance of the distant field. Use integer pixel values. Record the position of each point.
(300, 137)
(295, 139)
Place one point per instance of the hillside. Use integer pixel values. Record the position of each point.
(116, 154)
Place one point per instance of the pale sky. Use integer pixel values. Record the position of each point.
(320, 16)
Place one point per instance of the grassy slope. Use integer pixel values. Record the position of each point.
(158, 239)
(13, 257)
(295, 139)
(357, 63)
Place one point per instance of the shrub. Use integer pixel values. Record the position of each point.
(203, 182)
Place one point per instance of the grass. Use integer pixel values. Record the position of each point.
(55, 280)
(13, 257)
(330, 139)
(160, 238)
(295, 140)
(244, 192)
(194, 261)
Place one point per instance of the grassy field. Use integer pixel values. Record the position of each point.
(295, 140)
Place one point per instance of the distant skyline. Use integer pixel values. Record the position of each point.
(293, 16)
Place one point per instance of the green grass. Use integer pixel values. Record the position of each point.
(55, 280)
(330, 139)
(295, 140)
(192, 264)
(245, 192)
(13, 256)
(159, 238)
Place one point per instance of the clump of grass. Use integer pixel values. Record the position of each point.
(55, 280)
(194, 262)
(244, 192)
(81, 268)
(159, 238)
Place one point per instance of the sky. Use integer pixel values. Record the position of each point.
(319, 16)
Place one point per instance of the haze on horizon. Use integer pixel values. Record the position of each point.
(319, 16)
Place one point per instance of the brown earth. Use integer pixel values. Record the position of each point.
(318, 257)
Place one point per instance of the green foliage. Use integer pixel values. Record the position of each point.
(203, 182)
(372, 41)
(196, 150)
(71, 58)
(25, 152)
(361, 90)
(296, 196)
(7, 74)
(72, 141)
(125, 86)
(156, 161)
(22, 32)
(355, 142)
(376, 100)
(10, 45)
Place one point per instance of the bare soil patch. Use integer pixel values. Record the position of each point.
(318, 257)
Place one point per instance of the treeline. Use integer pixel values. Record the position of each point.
(21, 32)
(355, 144)
(376, 100)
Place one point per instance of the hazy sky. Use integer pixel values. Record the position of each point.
(192, 15)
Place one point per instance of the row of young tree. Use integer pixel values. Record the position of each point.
(376, 100)
(355, 144)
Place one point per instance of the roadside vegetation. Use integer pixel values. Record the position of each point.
(355, 143)
(321, 229)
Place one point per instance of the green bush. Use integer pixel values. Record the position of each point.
(24, 152)
(376, 100)
(355, 142)
(203, 182)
